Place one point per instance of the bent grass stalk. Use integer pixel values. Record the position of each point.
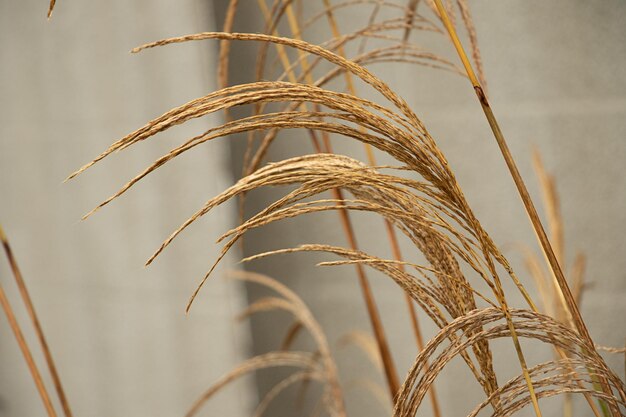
(23, 344)
(30, 308)
(448, 24)
(526, 199)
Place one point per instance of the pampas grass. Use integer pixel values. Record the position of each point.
(418, 196)
(432, 212)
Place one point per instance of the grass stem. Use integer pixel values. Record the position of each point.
(496, 130)
(30, 308)
(391, 374)
(391, 233)
(523, 192)
(21, 341)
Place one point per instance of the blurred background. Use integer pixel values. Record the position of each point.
(69, 88)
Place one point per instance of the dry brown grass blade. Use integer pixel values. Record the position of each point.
(186, 112)
(547, 185)
(30, 308)
(224, 55)
(410, 16)
(144, 133)
(473, 38)
(252, 183)
(51, 8)
(549, 287)
(21, 341)
(532, 212)
(553, 300)
(526, 199)
(499, 293)
(290, 336)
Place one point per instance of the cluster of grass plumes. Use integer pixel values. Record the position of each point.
(430, 209)
(318, 365)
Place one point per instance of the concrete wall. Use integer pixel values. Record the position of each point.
(69, 88)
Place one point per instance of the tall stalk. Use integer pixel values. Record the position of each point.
(30, 308)
(391, 374)
(23, 344)
(450, 28)
(391, 232)
(540, 233)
